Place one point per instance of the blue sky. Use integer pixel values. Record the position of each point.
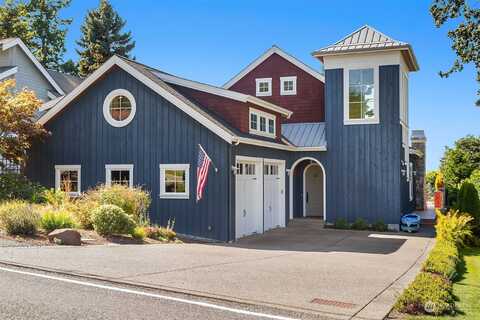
(211, 41)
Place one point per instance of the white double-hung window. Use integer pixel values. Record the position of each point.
(121, 174)
(263, 87)
(288, 86)
(262, 123)
(68, 179)
(174, 181)
(361, 96)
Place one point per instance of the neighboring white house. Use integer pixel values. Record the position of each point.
(18, 62)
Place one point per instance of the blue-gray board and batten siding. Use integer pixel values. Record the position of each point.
(159, 133)
(364, 161)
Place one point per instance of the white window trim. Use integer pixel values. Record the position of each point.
(267, 117)
(346, 114)
(178, 195)
(113, 167)
(288, 93)
(58, 171)
(106, 108)
(257, 87)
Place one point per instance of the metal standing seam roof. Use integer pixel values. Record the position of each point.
(364, 39)
(305, 134)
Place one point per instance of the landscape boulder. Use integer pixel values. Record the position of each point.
(68, 237)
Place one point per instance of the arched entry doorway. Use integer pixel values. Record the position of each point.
(307, 189)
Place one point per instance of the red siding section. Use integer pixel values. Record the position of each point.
(234, 112)
(308, 105)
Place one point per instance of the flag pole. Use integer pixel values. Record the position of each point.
(206, 154)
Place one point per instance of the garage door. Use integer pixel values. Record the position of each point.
(274, 195)
(248, 199)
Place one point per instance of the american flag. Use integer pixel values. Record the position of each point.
(202, 171)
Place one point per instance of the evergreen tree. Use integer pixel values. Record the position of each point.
(69, 67)
(102, 37)
(49, 31)
(14, 22)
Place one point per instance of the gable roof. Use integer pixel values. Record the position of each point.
(7, 71)
(265, 56)
(11, 42)
(145, 75)
(66, 81)
(366, 39)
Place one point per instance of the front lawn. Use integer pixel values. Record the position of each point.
(466, 290)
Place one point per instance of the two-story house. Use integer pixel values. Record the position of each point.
(287, 140)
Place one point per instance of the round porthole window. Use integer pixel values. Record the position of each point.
(119, 108)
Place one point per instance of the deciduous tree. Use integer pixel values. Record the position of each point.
(17, 125)
(14, 21)
(466, 34)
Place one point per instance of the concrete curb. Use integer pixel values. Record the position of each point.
(385, 300)
(173, 290)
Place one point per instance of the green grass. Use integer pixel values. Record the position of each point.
(466, 289)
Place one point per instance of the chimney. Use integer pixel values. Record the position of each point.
(419, 142)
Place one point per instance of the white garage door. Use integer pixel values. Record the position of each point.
(274, 195)
(248, 200)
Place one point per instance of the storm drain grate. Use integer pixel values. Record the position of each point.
(334, 303)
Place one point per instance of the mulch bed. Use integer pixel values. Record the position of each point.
(89, 237)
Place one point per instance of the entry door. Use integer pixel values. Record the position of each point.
(274, 195)
(248, 198)
(313, 191)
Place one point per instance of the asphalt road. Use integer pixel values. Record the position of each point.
(27, 294)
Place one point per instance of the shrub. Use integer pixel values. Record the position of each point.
(110, 219)
(139, 233)
(19, 218)
(359, 224)
(162, 233)
(133, 201)
(468, 201)
(443, 260)
(53, 219)
(341, 224)
(380, 226)
(56, 198)
(453, 227)
(16, 186)
(428, 293)
(82, 210)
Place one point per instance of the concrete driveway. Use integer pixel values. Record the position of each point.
(340, 274)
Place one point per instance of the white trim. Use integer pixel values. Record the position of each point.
(282, 89)
(214, 127)
(279, 146)
(8, 73)
(267, 54)
(113, 167)
(177, 195)
(49, 104)
(60, 168)
(259, 93)
(292, 169)
(51, 96)
(281, 174)
(222, 92)
(106, 108)
(267, 117)
(346, 88)
(19, 42)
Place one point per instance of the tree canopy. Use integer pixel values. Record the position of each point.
(102, 37)
(17, 125)
(459, 162)
(38, 24)
(465, 36)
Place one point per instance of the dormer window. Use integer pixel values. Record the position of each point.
(288, 86)
(262, 123)
(361, 96)
(264, 87)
